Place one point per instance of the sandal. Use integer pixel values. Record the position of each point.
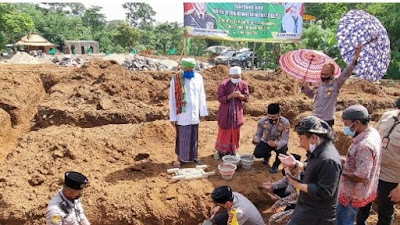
(177, 164)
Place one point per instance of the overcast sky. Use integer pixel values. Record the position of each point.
(171, 10)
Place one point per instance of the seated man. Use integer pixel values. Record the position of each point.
(283, 188)
(272, 135)
(233, 208)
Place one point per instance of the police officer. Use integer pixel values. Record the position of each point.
(272, 135)
(65, 207)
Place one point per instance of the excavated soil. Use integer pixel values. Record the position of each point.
(112, 125)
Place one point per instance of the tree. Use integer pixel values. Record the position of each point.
(126, 36)
(139, 15)
(76, 9)
(94, 19)
(14, 24)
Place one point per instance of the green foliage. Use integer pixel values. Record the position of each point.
(126, 36)
(13, 23)
(139, 15)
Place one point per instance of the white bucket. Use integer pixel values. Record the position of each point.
(231, 159)
(227, 170)
(247, 161)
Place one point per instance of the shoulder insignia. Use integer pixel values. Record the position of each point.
(56, 219)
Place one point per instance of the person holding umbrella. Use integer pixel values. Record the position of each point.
(232, 92)
(327, 93)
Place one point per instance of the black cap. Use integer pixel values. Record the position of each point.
(273, 108)
(75, 180)
(355, 112)
(222, 194)
(312, 124)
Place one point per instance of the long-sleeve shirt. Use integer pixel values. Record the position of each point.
(390, 161)
(327, 94)
(273, 132)
(230, 114)
(322, 174)
(55, 215)
(196, 106)
(362, 160)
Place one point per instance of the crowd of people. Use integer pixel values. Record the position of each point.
(325, 188)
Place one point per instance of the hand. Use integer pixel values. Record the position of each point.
(343, 159)
(215, 210)
(395, 194)
(273, 197)
(287, 160)
(173, 123)
(256, 140)
(267, 185)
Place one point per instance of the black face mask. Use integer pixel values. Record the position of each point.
(78, 197)
(272, 121)
(325, 79)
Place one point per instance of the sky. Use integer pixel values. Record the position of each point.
(171, 10)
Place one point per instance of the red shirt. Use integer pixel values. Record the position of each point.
(230, 114)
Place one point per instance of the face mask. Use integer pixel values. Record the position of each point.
(235, 81)
(188, 74)
(325, 79)
(271, 121)
(78, 197)
(313, 146)
(348, 131)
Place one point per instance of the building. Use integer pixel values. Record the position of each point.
(81, 47)
(35, 42)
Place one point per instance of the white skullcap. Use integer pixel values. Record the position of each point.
(236, 70)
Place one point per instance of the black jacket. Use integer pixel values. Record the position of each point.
(322, 175)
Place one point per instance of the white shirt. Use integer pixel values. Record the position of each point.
(56, 216)
(196, 105)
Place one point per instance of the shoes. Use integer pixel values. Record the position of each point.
(177, 164)
(265, 162)
(273, 170)
(198, 162)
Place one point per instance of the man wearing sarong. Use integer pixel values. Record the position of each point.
(231, 94)
(187, 107)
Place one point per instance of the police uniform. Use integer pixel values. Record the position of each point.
(62, 211)
(267, 131)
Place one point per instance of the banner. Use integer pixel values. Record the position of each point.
(255, 22)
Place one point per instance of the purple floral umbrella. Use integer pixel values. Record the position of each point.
(360, 28)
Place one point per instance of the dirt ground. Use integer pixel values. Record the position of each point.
(112, 125)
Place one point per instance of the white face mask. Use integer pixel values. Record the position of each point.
(313, 146)
(235, 81)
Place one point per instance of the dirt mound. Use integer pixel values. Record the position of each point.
(20, 95)
(126, 166)
(23, 58)
(103, 92)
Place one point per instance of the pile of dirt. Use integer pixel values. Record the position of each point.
(23, 58)
(20, 95)
(118, 134)
(70, 61)
(102, 92)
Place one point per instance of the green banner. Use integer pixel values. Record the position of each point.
(255, 22)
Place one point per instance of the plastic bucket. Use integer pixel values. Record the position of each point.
(247, 161)
(231, 159)
(227, 170)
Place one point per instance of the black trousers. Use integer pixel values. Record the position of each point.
(263, 150)
(385, 205)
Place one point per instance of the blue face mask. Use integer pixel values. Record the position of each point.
(235, 81)
(188, 74)
(348, 131)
